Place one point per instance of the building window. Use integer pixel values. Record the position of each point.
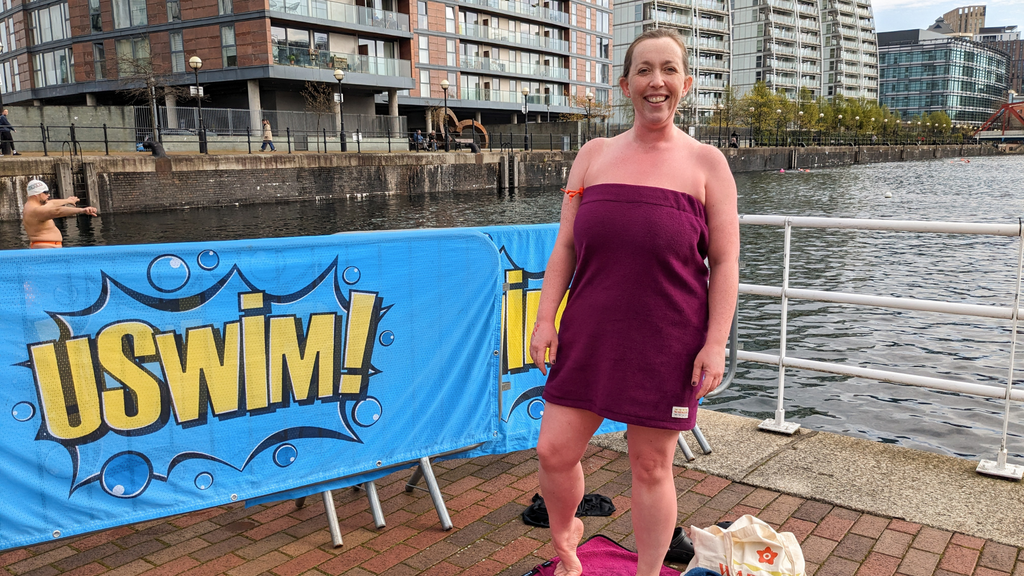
(450, 46)
(424, 50)
(177, 52)
(173, 10)
(227, 46)
(52, 68)
(49, 24)
(132, 55)
(99, 60)
(421, 14)
(424, 84)
(129, 13)
(94, 16)
(449, 19)
(224, 7)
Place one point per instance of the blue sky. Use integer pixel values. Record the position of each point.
(908, 14)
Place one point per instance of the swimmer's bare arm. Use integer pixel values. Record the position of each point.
(562, 264)
(723, 259)
(61, 207)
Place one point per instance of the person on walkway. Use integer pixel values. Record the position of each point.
(642, 337)
(6, 136)
(268, 137)
(40, 212)
(418, 142)
(432, 141)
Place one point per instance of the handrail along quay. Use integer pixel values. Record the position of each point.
(998, 467)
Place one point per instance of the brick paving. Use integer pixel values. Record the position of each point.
(485, 497)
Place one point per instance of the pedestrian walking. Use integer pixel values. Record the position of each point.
(6, 136)
(268, 137)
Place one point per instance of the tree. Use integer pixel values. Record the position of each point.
(319, 97)
(138, 81)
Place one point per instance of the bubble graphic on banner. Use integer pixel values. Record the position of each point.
(208, 260)
(285, 454)
(204, 480)
(367, 412)
(387, 338)
(168, 273)
(65, 294)
(126, 475)
(351, 275)
(23, 411)
(535, 408)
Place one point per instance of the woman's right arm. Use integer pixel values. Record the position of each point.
(561, 264)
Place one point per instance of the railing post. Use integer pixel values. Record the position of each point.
(359, 141)
(288, 136)
(106, 142)
(388, 132)
(42, 129)
(779, 424)
(325, 140)
(74, 141)
(248, 138)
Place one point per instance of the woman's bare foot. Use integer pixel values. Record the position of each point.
(568, 563)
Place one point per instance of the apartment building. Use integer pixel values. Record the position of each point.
(967, 20)
(849, 48)
(491, 51)
(258, 54)
(706, 29)
(1007, 39)
(778, 42)
(924, 72)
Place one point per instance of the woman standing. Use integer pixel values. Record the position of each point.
(644, 331)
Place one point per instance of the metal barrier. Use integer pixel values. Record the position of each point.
(999, 467)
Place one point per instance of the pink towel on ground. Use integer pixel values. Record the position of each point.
(600, 556)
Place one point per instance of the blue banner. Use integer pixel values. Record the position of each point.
(144, 381)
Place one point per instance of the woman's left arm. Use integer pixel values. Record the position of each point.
(723, 259)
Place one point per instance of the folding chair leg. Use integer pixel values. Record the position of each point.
(435, 493)
(701, 440)
(332, 518)
(375, 509)
(687, 453)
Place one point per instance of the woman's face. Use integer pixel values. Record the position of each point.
(657, 80)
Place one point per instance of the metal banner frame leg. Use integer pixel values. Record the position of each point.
(701, 440)
(375, 510)
(332, 517)
(426, 472)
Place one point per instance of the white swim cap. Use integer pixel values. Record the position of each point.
(37, 187)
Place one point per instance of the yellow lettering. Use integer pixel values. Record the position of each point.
(317, 351)
(514, 310)
(116, 355)
(202, 362)
(254, 346)
(70, 410)
(363, 314)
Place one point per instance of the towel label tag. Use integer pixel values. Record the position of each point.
(680, 412)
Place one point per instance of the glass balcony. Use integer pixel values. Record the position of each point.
(524, 8)
(713, 25)
(782, 19)
(508, 67)
(782, 4)
(324, 60)
(537, 101)
(808, 53)
(810, 38)
(711, 83)
(712, 5)
(711, 44)
(673, 18)
(782, 49)
(532, 40)
(807, 9)
(340, 12)
(705, 63)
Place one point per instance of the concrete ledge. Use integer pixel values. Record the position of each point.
(931, 489)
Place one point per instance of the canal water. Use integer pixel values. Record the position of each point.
(957, 268)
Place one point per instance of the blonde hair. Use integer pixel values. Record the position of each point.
(653, 34)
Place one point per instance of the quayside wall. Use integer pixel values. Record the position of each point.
(141, 183)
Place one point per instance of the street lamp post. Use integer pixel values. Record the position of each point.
(821, 119)
(721, 108)
(339, 75)
(840, 122)
(754, 138)
(195, 63)
(526, 115)
(885, 128)
(444, 116)
(590, 103)
(800, 124)
(856, 129)
(778, 125)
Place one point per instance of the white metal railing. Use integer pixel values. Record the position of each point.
(999, 467)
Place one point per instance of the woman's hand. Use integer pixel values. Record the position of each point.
(543, 340)
(708, 369)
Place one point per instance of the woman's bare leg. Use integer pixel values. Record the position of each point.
(654, 503)
(564, 435)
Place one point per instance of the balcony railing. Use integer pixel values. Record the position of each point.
(809, 23)
(673, 18)
(809, 53)
(712, 24)
(780, 33)
(711, 83)
(324, 60)
(341, 12)
(807, 9)
(533, 40)
(713, 63)
(538, 102)
(524, 8)
(811, 68)
(782, 64)
(782, 4)
(782, 19)
(711, 44)
(809, 38)
(712, 5)
(509, 67)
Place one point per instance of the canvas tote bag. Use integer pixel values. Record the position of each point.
(749, 547)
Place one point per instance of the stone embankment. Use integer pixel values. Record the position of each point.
(120, 184)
